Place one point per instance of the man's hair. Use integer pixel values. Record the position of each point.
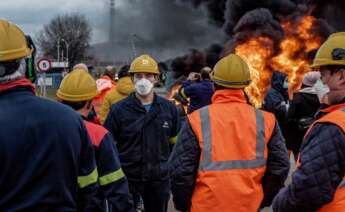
(75, 105)
(10, 70)
(197, 78)
(123, 71)
(81, 66)
(334, 68)
(110, 72)
(205, 75)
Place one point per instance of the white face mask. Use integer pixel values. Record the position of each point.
(321, 89)
(143, 87)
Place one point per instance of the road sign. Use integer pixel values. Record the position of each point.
(44, 65)
(59, 64)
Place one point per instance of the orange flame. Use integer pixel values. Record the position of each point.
(292, 59)
(256, 53)
(174, 90)
(299, 39)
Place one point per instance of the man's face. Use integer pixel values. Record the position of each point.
(335, 80)
(325, 74)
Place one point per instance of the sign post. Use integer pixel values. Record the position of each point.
(44, 65)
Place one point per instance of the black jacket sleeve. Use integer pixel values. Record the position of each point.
(277, 168)
(87, 176)
(114, 185)
(275, 103)
(111, 123)
(184, 162)
(322, 166)
(295, 103)
(176, 122)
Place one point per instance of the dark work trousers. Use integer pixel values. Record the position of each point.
(155, 194)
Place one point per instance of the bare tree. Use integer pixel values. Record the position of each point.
(72, 30)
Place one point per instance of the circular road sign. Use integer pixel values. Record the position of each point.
(44, 65)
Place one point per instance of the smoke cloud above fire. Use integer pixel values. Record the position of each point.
(269, 35)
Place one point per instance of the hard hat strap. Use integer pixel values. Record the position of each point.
(30, 72)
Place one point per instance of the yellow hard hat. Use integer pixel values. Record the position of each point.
(144, 64)
(331, 52)
(77, 86)
(13, 44)
(231, 72)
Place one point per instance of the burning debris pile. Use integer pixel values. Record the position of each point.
(270, 35)
(301, 37)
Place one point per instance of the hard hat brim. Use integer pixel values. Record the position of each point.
(15, 54)
(328, 63)
(231, 84)
(75, 98)
(143, 72)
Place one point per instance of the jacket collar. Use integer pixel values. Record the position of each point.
(22, 82)
(333, 108)
(135, 102)
(229, 95)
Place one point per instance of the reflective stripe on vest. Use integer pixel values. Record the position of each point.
(342, 184)
(206, 164)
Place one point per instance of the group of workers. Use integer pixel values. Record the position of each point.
(227, 155)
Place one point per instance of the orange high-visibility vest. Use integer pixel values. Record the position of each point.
(104, 85)
(338, 203)
(233, 138)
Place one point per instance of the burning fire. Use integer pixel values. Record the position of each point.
(170, 96)
(258, 52)
(174, 90)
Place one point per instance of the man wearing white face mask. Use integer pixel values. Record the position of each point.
(144, 126)
(321, 91)
(318, 184)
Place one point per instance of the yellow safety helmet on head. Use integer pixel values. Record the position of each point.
(231, 72)
(144, 64)
(13, 43)
(77, 86)
(331, 52)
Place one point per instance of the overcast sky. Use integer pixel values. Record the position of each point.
(160, 25)
(31, 15)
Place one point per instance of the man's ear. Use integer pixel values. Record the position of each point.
(337, 80)
(342, 73)
(157, 78)
(342, 77)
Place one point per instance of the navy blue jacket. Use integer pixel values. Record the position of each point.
(45, 153)
(143, 138)
(113, 183)
(199, 94)
(276, 100)
(322, 169)
(184, 163)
